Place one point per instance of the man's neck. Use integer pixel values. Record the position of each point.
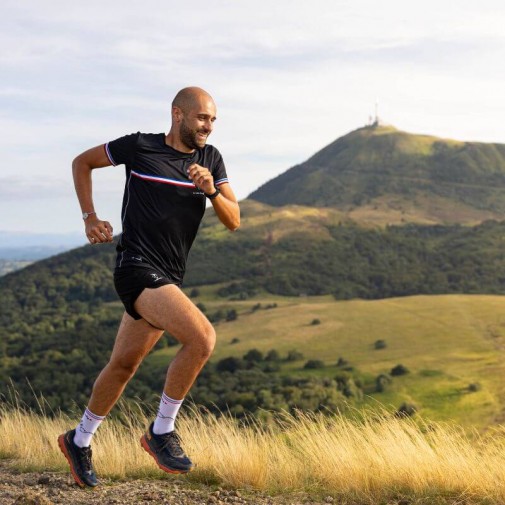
(175, 142)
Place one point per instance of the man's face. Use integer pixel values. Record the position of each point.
(197, 124)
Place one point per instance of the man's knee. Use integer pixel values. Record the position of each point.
(206, 341)
(125, 366)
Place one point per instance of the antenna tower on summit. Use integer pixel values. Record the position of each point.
(377, 120)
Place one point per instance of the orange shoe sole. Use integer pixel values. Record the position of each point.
(63, 448)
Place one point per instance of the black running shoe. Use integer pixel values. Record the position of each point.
(167, 451)
(79, 460)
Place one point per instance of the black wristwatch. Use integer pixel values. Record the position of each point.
(213, 195)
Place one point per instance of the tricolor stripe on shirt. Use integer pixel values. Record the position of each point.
(163, 180)
(109, 155)
(174, 182)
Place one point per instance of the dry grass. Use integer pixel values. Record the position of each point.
(372, 458)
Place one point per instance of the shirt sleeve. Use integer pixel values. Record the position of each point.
(122, 150)
(219, 170)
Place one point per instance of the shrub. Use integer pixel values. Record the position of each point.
(406, 410)
(381, 382)
(230, 364)
(202, 307)
(399, 370)
(235, 340)
(342, 362)
(272, 355)
(315, 322)
(195, 292)
(253, 355)
(231, 315)
(294, 356)
(474, 387)
(380, 344)
(313, 363)
(216, 316)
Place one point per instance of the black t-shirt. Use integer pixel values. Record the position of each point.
(162, 208)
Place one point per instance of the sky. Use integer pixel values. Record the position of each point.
(288, 77)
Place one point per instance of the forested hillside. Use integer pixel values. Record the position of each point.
(57, 323)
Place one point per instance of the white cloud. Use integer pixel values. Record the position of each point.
(288, 77)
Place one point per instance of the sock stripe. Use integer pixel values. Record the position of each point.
(93, 416)
(167, 399)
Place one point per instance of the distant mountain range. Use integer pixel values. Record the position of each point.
(19, 249)
(16, 240)
(381, 174)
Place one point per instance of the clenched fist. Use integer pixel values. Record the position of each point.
(202, 178)
(97, 231)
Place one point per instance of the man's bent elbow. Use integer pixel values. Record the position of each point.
(234, 225)
(79, 164)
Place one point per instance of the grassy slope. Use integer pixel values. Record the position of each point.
(447, 342)
(386, 169)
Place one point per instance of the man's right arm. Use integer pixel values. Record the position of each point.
(97, 231)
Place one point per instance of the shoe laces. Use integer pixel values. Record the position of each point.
(85, 459)
(172, 441)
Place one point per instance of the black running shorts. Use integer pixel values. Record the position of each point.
(130, 282)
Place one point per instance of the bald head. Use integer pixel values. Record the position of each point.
(193, 115)
(189, 98)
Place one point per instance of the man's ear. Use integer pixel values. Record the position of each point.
(177, 114)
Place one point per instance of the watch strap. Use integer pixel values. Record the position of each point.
(213, 195)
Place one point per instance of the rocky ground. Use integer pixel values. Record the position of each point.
(50, 488)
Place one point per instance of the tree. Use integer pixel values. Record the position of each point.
(313, 363)
(399, 370)
(272, 355)
(230, 364)
(381, 382)
(253, 356)
(294, 356)
(380, 344)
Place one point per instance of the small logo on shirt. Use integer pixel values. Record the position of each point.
(136, 258)
(156, 277)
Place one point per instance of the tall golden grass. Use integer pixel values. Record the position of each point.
(371, 458)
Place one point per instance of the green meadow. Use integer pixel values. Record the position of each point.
(446, 342)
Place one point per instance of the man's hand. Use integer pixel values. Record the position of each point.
(202, 178)
(98, 232)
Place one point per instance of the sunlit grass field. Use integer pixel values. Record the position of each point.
(370, 458)
(447, 342)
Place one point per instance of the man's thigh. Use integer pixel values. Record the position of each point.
(135, 338)
(168, 308)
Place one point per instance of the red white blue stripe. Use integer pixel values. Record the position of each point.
(163, 180)
(174, 182)
(109, 155)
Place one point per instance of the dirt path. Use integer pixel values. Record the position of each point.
(51, 488)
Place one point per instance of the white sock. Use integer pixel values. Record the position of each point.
(167, 412)
(86, 429)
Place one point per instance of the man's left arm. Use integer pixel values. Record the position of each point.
(225, 203)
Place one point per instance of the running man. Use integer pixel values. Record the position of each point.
(168, 180)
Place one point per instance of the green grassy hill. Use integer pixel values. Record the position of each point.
(447, 343)
(379, 173)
